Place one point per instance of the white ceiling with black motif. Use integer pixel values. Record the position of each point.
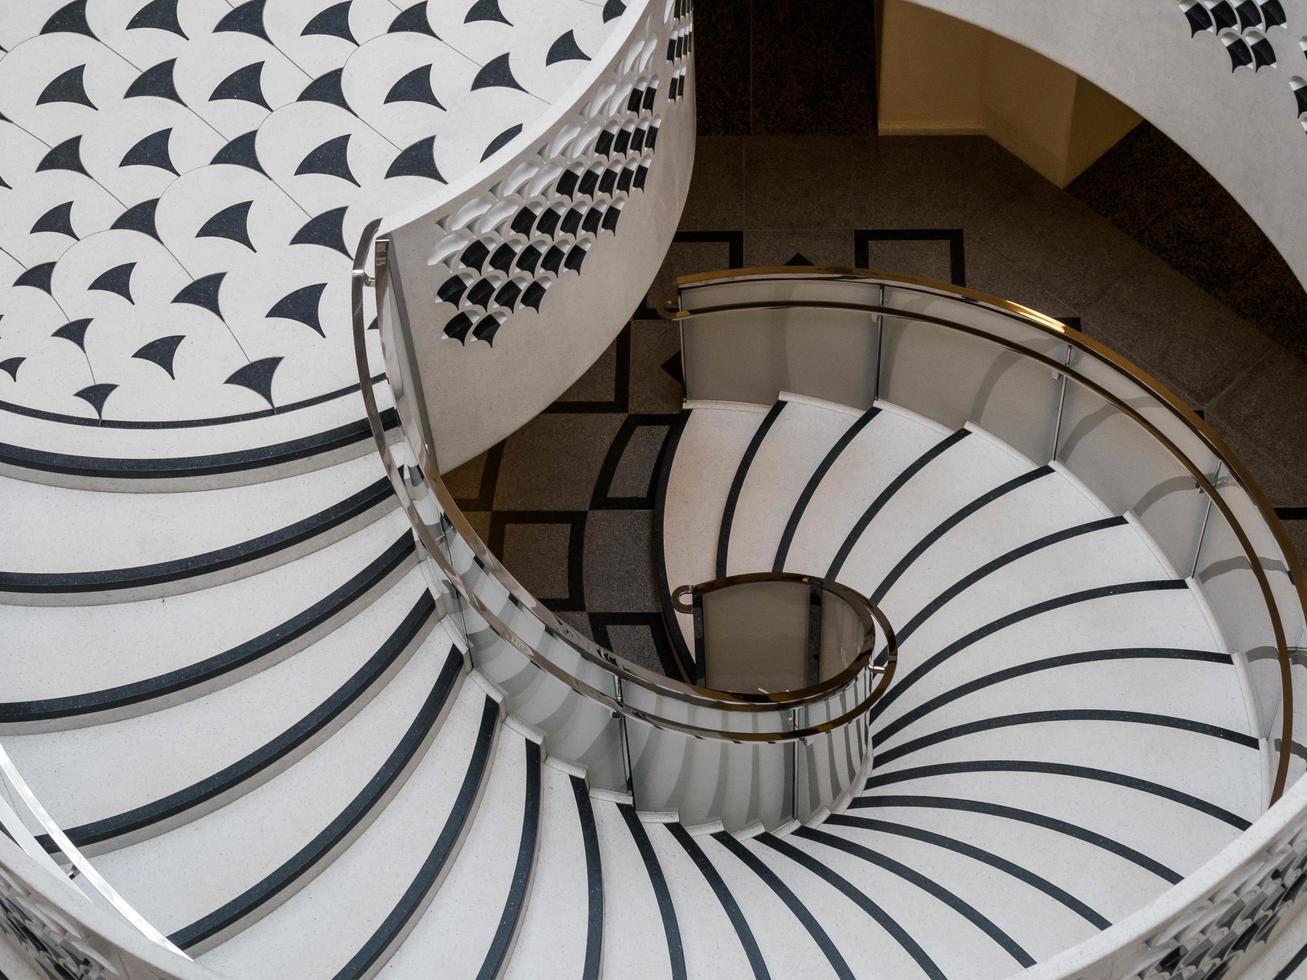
(183, 182)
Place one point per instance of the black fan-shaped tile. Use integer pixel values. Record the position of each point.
(327, 88)
(333, 22)
(231, 223)
(415, 86)
(10, 366)
(58, 219)
(496, 73)
(301, 306)
(241, 152)
(116, 280)
(327, 230)
(96, 395)
(480, 293)
(486, 10)
(5, 184)
(156, 82)
(1223, 15)
(38, 277)
(153, 151)
(501, 141)
(243, 85)
(565, 49)
(611, 217)
(502, 258)
(575, 258)
(452, 290)
(1263, 54)
(245, 19)
(1300, 97)
(613, 9)
(1249, 15)
(74, 331)
(412, 20)
(508, 294)
(1199, 19)
(159, 15)
(486, 329)
(257, 377)
(534, 294)
(1240, 55)
(417, 160)
(458, 326)
(474, 256)
(1273, 13)
(331, 158)
(203, 292)
(69, 19)
(162, 352)
(68, 86)
(65, 156)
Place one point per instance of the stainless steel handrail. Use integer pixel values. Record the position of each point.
(426, 474)
(1110, 358)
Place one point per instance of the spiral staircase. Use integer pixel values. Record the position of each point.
(271, 708)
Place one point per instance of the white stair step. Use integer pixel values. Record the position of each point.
(455, 933)
(177, 879)
(635, 937)
(713, 441)
(794, 447)
(888, 444)
(555, 927)
(53, 529)
(169, 751)
(67, 651)
(308, 936)
(712, 946)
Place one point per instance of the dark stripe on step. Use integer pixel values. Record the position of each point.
(594, 878)
(845, 887)
(261, 646)
(877, 505)
(1298, 959)
(1011, 619)
(186, 467)
(1025, 816)
(805, 498)
(737, 484)
(675, 951)
(415, 897)
(109, 580)
(729, 905)
(892, 728)
(936, 891)
(227, 779)
(1059, 895)
(792, 902)
(967, 581)
(878, 780)
(680, 651)
(950, 523)
(497, 956)
(1066, 714)
(364, 808)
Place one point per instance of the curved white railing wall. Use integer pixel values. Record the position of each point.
(519, 281)
(1242, 125)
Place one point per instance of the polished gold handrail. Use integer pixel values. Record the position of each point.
(428, 474)
(1167, 398)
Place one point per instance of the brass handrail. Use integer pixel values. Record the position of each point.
(428, 474)
(1167, 398)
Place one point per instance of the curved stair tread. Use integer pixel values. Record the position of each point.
(471, 900)
(203, 880)
(887, 445)
(556, 926)
(68, 661)
(795, 445)
(382, 878)
(712, 443)
(53, 529)
(174, 763)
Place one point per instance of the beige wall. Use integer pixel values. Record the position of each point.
(939, 75)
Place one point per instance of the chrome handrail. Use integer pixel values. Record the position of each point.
(426, 473)
(1077, 340)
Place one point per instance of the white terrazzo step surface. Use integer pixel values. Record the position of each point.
(307, 936)
(715, 437)
(54, 529)
(553, 933)
(635, 943)
(795, 445)
(166, 751)
(59, 651)
(456, 930)
(179, 877)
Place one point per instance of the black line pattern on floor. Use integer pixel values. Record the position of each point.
(737, 484)
(515, 905)
(672, 931)
(594, 880)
